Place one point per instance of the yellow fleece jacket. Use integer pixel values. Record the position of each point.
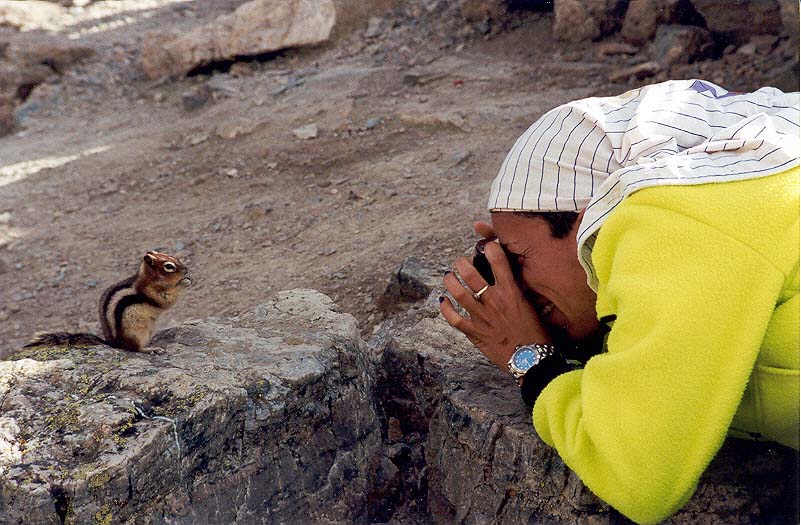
(703, 283)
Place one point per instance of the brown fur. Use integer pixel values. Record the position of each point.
(129, 309)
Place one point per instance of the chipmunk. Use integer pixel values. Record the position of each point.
(129, 309)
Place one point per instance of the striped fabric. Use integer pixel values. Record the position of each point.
(591, 153)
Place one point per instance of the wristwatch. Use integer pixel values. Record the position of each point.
(526, 357)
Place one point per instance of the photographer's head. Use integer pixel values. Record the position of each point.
(543, 246)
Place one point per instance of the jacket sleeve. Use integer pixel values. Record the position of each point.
(640, 423)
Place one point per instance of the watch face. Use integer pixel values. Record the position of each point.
(525, 358)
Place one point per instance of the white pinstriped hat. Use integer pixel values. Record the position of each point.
(591, 153)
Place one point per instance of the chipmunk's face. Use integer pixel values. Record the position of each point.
(166, 269)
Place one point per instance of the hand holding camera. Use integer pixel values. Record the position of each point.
(500, 316)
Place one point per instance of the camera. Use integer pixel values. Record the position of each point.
(483, 266)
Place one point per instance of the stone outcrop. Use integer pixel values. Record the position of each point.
(254, 28)
(284, 415)
(679, 44)
(472, 455)
(580, 20)
(29, 61)
(644, 16)
(729, 22)
(736, 22)
(266, 418)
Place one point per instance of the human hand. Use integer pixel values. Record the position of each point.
(484, 229)
(501, 318)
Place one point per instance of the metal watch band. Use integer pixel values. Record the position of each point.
(541, 351)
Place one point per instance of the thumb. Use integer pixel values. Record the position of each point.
(484, 229)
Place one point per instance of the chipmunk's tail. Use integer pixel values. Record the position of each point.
(64, 339)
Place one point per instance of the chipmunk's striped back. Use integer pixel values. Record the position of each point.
(128, 309)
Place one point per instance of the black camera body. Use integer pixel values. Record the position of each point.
(483, 266)
(480, 262)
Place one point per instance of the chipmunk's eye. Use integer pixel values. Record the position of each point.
(169, 267)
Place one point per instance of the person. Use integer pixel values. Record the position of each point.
(663, 222)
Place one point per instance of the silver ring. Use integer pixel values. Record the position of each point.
(477, 295)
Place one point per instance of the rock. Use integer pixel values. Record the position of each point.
(639, 71)
(763, 44)
(675, 44)
(309, 131)
(292, 82)
(414, 280)
(353, 15)
(236, 127)
(18, 80)
(445, 121)
(606, 49)
(57, 53)
(197, 138)
(221, 86)
(736, 22)
(790, 19)
(480, 10)
(643, 17)
(241, 69)
(195, 97)
(7, 121)
(474, 451)
(372, 122)
(32, 14)
(574, 22)
(373, 27)
(460, 157)
(256, 27)
(267, 417)
(581, 20)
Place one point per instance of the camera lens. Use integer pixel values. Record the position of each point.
(481, 263)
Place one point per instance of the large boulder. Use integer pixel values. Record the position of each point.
(254, 28)
(472, 455)
(644, 16)
(734, 22)
(268, 418)
(678, 44)
(580, 20)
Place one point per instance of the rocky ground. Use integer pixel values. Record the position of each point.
(322, 168)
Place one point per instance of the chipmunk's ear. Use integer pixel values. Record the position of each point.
(149, 259)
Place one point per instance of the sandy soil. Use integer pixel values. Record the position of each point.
(413, 125)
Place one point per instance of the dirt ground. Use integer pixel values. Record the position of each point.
(414, 120)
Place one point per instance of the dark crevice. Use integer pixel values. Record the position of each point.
(530, 5)
(224, 66)
(61, 502)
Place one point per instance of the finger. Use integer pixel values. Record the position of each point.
(462, 295)
(469, 274)
(484, 229)
(453, 317)
(500, 264)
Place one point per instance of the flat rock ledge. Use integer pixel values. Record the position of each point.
(285, 415)
(267, 418)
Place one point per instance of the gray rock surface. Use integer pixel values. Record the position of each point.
(413, 281)
(265, 418)
(479, 460)
(284, 415)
